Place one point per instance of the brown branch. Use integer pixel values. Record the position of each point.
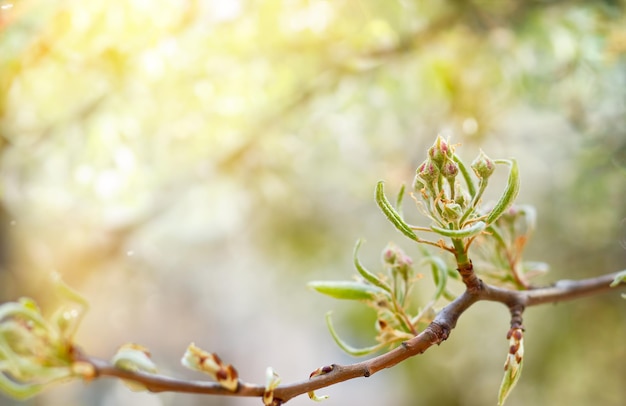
(437, 332)
(160, 383)
(570, 289)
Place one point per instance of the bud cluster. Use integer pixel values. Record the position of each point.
(36, 351)
(398, 262)
(438, 165)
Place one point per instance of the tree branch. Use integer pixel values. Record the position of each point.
(437, 332)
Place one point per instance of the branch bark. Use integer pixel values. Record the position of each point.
(437, 332)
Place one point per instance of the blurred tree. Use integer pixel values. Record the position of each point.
(168, 156)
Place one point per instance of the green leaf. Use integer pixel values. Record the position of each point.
(25, 308)
(511, 376)
(510, 192)
(391, 214)
(18, 391)
(471, 187)
(347, 290)
(367, 275)
(466, 232)
(356, 352)
(513, 365)
(440, 274)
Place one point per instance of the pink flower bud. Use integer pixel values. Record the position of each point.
(439, 151)
(483, 166)
(450, 170)
(428, 171)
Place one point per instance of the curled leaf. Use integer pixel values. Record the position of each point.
(316, 398)
(355, 352)
(319, 371)
(510, 191)
(68, 316)
(391, 214)
(440, 274)
(17, 390)
(348, 290)
(471, 187)
(466, 232)
(367, 275)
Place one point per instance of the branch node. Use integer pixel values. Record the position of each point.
(517, 321)
(441, 332)
(471, 281)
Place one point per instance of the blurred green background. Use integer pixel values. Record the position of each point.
(189, 165)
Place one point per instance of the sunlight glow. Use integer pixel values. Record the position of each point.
(316, 17)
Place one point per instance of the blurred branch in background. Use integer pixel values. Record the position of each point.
(167, 156)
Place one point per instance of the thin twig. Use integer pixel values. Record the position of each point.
(437, 332)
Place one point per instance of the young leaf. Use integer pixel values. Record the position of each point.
(440, 274)
(134, 357)
(318, 372)
(510, 192)
(18, 391)
(355, 352)
(471, 187)
(513, 364)
(466, 232)
(392, 214)
(348, 290)
(367, 275)
(508, 383)
(272, 380)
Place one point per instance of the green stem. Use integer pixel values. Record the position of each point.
(460, 253)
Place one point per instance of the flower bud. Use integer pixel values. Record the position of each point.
(439, 151)
(450, 170)
(389, 254)
(398, 260)
(428, 171)
(483, 166)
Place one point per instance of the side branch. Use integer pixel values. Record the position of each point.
(159, 383)
(570, 289)
(437, 332)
